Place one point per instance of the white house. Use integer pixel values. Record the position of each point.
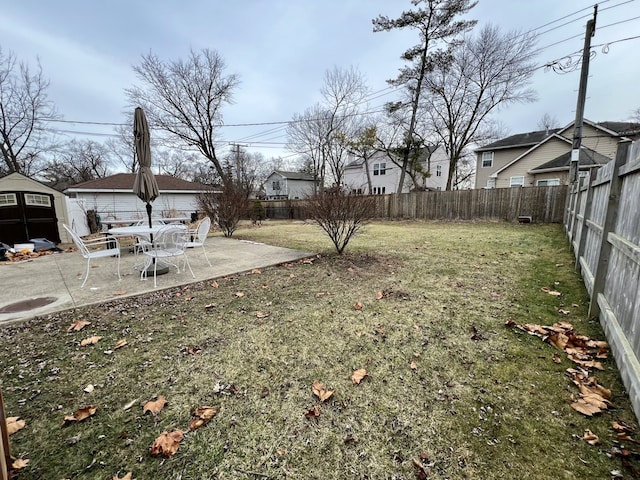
(385, 175)
(113, 198)
(288, 185)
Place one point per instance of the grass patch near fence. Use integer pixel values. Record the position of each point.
(421, 306)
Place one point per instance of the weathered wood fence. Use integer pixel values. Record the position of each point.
(542, 204)
(602, 222)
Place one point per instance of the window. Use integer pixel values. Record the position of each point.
(549, 182)
(379, 168)
(491, 183)
(516, 181)
(438, 170)
(487, 159)
(275, 185)
(37, 200)
(7, 199)
(379, 190)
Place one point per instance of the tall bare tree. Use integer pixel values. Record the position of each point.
(122, 147)
(76, 162)
(488, 71)
(548, 122)
(439, 30)
(25, 110)
(321, 134)
(185, 98)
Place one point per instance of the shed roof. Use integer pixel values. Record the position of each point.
(124, 181)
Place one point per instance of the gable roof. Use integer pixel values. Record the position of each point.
(293, 175)
(125, 181)
(535, 147)
(588, 158)
(528, 139)
(10, 179)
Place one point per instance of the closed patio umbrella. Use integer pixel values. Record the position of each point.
(145, 186)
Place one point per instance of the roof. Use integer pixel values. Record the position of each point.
(553, 136)
(10, 181)
(588, 157)
(520, 140)
(622, 128)
(294, 175)
(125, 181)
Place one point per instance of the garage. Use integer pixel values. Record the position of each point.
(30, 209)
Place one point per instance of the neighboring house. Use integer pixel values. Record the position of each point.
(288, 185)
(30, 209)
(543, 157)
(385, 175)
(113, 198)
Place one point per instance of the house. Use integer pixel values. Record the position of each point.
(385, 174)
(30, 209)
(281, 185)
(113, 198)
(543, 157)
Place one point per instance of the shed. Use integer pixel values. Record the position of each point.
(113, 198)
(30, 209)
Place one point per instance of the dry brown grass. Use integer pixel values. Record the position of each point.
(447, 380)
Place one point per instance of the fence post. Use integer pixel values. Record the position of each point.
(5, 449)
(585, 216)
(611, 215)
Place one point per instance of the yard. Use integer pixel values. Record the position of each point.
(419, 309)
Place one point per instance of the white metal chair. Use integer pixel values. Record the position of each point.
(199, 236)
(167, 244)
(101, 247)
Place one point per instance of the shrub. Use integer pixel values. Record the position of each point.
(225, 208)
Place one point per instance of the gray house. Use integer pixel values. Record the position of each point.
(288, 185)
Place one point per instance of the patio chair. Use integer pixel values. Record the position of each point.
(101, 247)
(199, 236)
(168, 243)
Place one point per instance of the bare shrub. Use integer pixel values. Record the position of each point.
(225, 208)
(341, 215)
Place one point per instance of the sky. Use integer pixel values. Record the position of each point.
(281, 49)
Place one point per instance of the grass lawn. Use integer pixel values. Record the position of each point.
(421, 306)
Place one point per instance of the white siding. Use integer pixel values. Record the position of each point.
(124, 206)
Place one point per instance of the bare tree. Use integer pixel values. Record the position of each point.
(548, 122)
(635, 115)
(341, 215)
(185, 98)
(78, 161)
(363, 146)
(321, 134)
(247, 169)
(122, 148)
(487, 71)
(438, 28)
(226, 208)
(25, 110)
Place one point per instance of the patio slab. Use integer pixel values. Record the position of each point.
(57, 277)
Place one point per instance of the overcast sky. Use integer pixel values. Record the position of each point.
(281, 49)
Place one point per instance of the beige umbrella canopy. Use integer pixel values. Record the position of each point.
(145, 186)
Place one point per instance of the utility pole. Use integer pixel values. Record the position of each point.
(238, 163)
(582, 95)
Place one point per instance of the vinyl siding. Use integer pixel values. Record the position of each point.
(596, 139)
(550, 150)
(500, 159)
(124, 206)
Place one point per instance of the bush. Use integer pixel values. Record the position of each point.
(341, 215)
(225, 208)
(257, 212)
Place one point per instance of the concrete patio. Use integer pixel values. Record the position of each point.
(56, 278)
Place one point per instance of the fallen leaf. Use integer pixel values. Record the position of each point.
(128, 476)
(379, 295)
(14, 424)
(239, 294)
(585, 408)
(414, 366)
(281, 451)
(590, 437)
(320, 391)
(358, 306)
(256, 271)
(80, 415)
(89, 388)
(262, 315)
(358, 375)
(214, 284)
(154, 406)
(551, 292)
(90, 341)
(120, 292)
(193, 350)
(201, 416)
(78, 325)
(19, 463)
(130, 404)
(313, 412)
(619, 426)
(167, 444)
(120, 344)
(557, 358)
(265, 392)
(210, 306)
(563, 311)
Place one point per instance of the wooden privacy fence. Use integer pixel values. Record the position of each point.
(602, 222)
(542, 204)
